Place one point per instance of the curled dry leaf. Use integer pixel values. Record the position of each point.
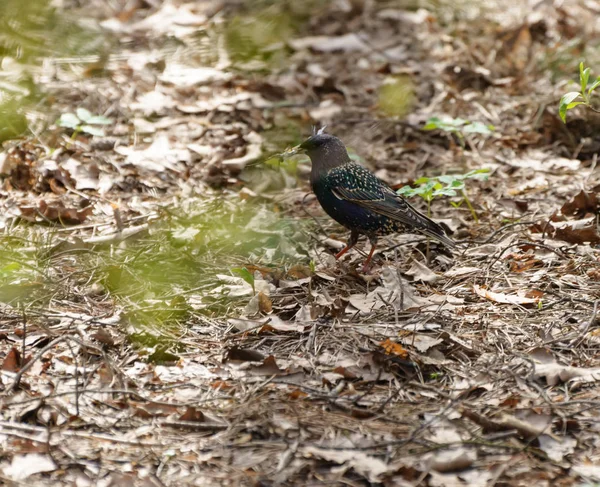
(264, 303)
(193, 414)
(582, 203)
(556, 373)
(540, 162)
(461, 272)
(453, 460)
(55, 211)
(22, 466)
(237, 354)
(12, 361)
(546, 366)
(393, 348)
(503, 298)
(369, 466)
(557, 449)
(420, 272)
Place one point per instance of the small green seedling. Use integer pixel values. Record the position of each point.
(246, 275)
(458, 126)
(574, 98)
(84, 121)
(449, 185)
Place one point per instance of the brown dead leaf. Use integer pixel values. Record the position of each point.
(236, 354)
(264, 303)
(268, 367)
(55, 211)
(579, 236)
(12, 361)
(453, 460)
(583, 202)
(515, 54)
(393, 348)
(104, 337)
(527, 427)
(523, 262)
(221, 385)
(297, 394)
(299, 271)
(345, 373)
(152, 410)
(193, 414)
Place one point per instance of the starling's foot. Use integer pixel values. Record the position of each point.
(368, 261)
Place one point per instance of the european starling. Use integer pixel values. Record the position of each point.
(357, 199)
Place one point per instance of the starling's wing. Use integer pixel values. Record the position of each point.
(352, 182)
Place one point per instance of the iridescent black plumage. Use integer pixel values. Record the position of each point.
(357, 199)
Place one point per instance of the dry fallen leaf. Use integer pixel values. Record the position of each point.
(503, 298)
(346, 43)
(393, 348)
(369, 466)
(23, 466)
(12, 361)
(453, 460)
(420, 272)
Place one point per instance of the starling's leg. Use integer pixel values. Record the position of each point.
(373, 247)
(351, 243)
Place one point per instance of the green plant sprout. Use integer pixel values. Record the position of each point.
(83, 121)
(458, 126)
(574, 98)
(448, 185)
(246, 275)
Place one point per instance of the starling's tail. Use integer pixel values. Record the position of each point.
(436, 231)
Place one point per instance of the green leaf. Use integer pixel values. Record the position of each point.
(10, 268)
(83, 114)
(444, 192)
(448, 125)
(245, 274)
(432, 124)
(483, 170)
(584, 76)
(447, 178)
(482, 174)
(428, 186)
(99, 120)
(477, 128)
(406, 191)
(565, 101)
(458, 185)
(422, 180)
(458, 125)
(69, 120)
(90, 129)
(595, 85)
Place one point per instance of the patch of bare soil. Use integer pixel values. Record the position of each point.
(136, 350)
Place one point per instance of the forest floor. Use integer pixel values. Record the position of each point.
(170, 309)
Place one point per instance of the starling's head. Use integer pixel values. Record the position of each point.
(324, 150)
